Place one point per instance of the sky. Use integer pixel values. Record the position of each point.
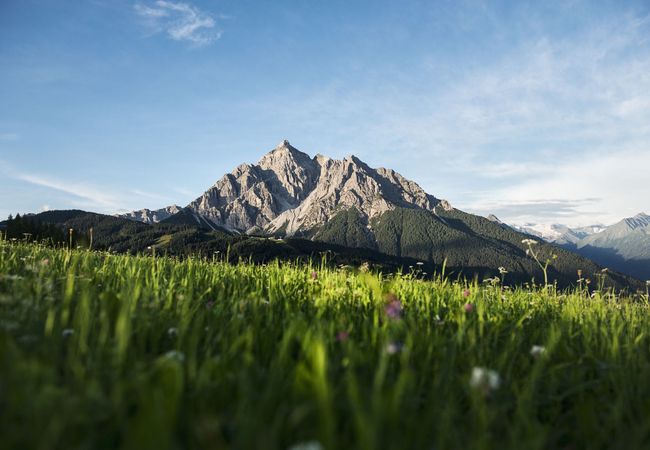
(532, 111)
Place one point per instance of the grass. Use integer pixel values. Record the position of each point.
(104, 351)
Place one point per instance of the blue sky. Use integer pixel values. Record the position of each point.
(534, 111)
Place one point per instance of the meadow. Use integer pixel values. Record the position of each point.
(103, 351)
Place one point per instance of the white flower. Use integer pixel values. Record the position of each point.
(419, 263)
(537, 350)
(485, 380)
(67, 332)
(172, 332)
(310, 445)
(529, 241)
(175, 355)
(502, 270)
(393, 347)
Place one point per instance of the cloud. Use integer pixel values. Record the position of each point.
(89, 196)
(615, 183)
(520, 212)
(533, 131)
(150, 195)
(180, 21)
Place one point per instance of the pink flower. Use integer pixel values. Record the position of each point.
(469, 308)
(342, 336)
(45, 262)
(314, 275)
(466, 293)
(394, 307)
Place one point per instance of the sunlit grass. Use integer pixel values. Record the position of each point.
(108, 351)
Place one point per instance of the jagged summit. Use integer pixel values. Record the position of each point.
(640, 220)
(493, 218)
(151, 216)
(290, 192)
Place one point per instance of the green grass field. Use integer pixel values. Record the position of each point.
(101, 351)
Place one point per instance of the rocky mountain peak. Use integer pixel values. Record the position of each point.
(151, 216)
(290, 192)
(641, 220)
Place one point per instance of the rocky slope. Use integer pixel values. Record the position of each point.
(623, 246)
(289, 193)
(149, 216)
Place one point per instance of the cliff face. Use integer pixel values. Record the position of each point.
(151, 216)
(290, 192)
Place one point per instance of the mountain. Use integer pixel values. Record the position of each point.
(288, 194)
(557, 233)
(624, 246)
(149, 216)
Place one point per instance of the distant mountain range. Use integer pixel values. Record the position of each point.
(558, 233)
(289, 194)
(624, 246)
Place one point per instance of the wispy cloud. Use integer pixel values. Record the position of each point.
(149, 195)
(536, 129)
(180, 21)
(86, 195)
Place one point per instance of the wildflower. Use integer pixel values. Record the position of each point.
(484, 380)
(310, 445)
(342, 336)
(529, 241)
(466, 293)
(45, 262)
(419, 263)
(437, 320)
(314, 275)
(67, 332)
(579, 273)
(502, 270)
(393, 347)
(172, 332)
(468, 308)
(175, 355)
(537, 350)
(394, 307)
(647, 283)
